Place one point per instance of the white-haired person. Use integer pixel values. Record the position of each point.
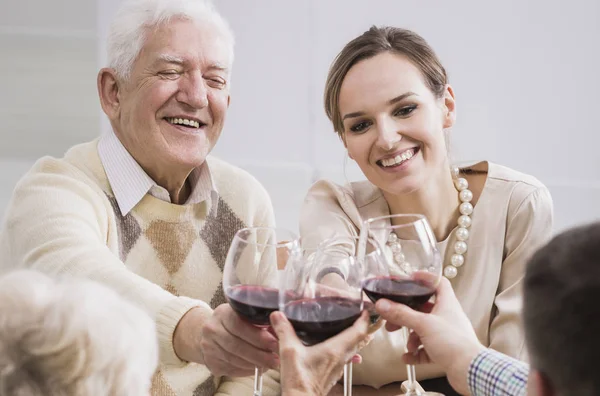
(71, 337)
(145, 209)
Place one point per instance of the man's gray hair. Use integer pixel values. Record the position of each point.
(72, 337)
(134, 18)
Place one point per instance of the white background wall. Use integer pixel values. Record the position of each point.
(525, 75)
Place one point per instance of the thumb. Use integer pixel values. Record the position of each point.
(283, 329)
(400, 315)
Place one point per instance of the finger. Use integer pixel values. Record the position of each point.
(250, 334)
(236, 347)
(283, 330)
(356, 359)
(390, 327)
(400, 314)
(232, 367)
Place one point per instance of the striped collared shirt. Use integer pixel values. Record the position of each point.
(130, 183)
(492, 373)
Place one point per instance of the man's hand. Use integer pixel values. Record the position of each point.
(225, 343)
(314, 370)
(445, 333)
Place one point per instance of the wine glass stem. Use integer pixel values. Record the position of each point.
(258, 381)
(410, 369)
(348, 379)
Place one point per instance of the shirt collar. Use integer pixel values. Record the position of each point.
(130, 183)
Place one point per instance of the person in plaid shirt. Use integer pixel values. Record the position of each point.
(560, 316)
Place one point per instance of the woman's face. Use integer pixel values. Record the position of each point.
(393, 123)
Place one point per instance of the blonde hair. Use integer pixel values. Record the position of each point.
(373, 42)
(72, 337)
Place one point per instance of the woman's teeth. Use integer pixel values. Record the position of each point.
(400, 158)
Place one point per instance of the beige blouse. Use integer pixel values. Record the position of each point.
(512, 218)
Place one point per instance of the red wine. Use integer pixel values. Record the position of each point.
(253, 303)
(408, 292)
(318, 319)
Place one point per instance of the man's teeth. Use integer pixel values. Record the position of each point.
(400, 158)
(184, 121)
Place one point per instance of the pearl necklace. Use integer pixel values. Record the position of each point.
(462, 232)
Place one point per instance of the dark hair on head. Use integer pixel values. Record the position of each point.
(375, 41)
(562, 311)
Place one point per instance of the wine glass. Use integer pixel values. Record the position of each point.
(321, 293)
(250, 276)
(408, 271)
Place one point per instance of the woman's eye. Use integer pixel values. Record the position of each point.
(404, 111)
(360, 127)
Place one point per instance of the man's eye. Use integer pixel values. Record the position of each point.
(170, 74)
(216, 82)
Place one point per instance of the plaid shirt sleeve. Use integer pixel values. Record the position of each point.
(492, 373)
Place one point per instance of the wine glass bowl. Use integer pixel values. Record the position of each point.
(407, 271)
(250, 276)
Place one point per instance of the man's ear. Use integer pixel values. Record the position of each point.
(108, 91)
(449, 107)
(538, 384)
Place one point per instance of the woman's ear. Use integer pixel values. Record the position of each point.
(449, 107)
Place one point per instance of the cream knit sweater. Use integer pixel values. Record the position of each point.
(64, 219)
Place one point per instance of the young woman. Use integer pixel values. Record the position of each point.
(389, 100)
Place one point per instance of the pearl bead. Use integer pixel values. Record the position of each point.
(392, 238)
(454, 171)
(450, 272)
(460, 247)
(466, 195)
(396, 248)
(462, 234)
(399, 257)
(461, 184)
(457, 260)
(466, 208)
(464, 221)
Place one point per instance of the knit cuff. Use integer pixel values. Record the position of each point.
(166, 322)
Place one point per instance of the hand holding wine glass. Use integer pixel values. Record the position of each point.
(407, 272)
(323, 298)
(250, 282)
(445, 334)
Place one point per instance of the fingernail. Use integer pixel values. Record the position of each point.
(384, 306)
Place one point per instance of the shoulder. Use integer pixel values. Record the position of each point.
(77, 167)
(66, 179)
(356, 194)
(524, 192)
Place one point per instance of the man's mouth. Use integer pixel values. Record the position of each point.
(185, 122)
(398, 159)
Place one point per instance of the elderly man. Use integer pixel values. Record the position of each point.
(144, 209)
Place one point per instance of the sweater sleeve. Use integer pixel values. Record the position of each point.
(529, 226)
(58, 223)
